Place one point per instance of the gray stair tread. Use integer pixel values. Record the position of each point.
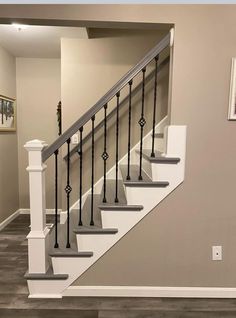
(110, 193)
(158, 157)
(134, 174)
(119, 207)
(159, 135)
(134, 180)
(86, 211)
(94, 230)
(62, 235)
(151, 184)
(47, 276)
(69, 253)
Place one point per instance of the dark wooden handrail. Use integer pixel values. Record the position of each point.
(106, 98)
(122, 103)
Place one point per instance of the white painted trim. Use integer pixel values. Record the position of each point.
(232, 93)
(150, 291)
(48, 211)
(45, 296)
(172, 36)
(9, 219)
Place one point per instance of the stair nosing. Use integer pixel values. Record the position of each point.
(95, 231)
(158, 184)
(38, 276)
(121, 207)
(74, 255)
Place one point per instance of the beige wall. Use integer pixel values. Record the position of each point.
(92, 66)
(172, 246)
(9, 200)
(38, 93)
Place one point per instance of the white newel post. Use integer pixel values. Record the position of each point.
(38, 236)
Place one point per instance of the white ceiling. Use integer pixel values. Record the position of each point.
(37, 41)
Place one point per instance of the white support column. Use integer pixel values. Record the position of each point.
(38, 236)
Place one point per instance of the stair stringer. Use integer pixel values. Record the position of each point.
(124, 221)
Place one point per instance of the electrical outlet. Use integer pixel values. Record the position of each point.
(217, 253)
(75, 139)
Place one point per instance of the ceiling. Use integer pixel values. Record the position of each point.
(37, 41)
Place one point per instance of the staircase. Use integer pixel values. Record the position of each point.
(135, 184)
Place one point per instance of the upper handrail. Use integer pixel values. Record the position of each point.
(122, 103)
(107, 97)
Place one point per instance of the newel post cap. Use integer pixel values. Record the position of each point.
(35, 145)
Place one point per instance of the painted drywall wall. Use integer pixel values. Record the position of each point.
(172, 246)
(9, 200)
(87, 76)
(38, 93)
(90, 67)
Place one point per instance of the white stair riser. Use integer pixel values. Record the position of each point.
(148, 197)
(124, 221)
(173, 173)
(97, 243)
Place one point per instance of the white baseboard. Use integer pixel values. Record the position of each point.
(22, 211)
(48, 211)
(9, 219)
(45, 296)
(149, 291)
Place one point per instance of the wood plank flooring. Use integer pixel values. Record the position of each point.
(14, 300)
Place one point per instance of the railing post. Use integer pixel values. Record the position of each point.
(38, 236)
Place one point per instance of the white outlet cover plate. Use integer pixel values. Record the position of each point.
(75, 139)
(217, 253)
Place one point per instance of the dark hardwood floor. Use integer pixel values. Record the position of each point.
(14, 300)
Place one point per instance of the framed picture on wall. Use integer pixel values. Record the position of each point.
(232, 93)
(7, 113)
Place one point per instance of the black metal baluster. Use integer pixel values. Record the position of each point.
(92, 176)
(129, 129)
(117, 144)
(142, 123)
(56, 245)
(59, 118)
(80, 175)
(105, 155)
(68, 190)
(154, 108)
(2, 110)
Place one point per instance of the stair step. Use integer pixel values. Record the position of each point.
(134, 178)
(159, 158)
(62, 234)
(64, 253)
(117, 207)
(47, 276)
(110, 193)
(159, 135)
(95, 230)
(134, 174)
(86, 211)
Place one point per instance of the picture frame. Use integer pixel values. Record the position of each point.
(232, 93)
(7, 113)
